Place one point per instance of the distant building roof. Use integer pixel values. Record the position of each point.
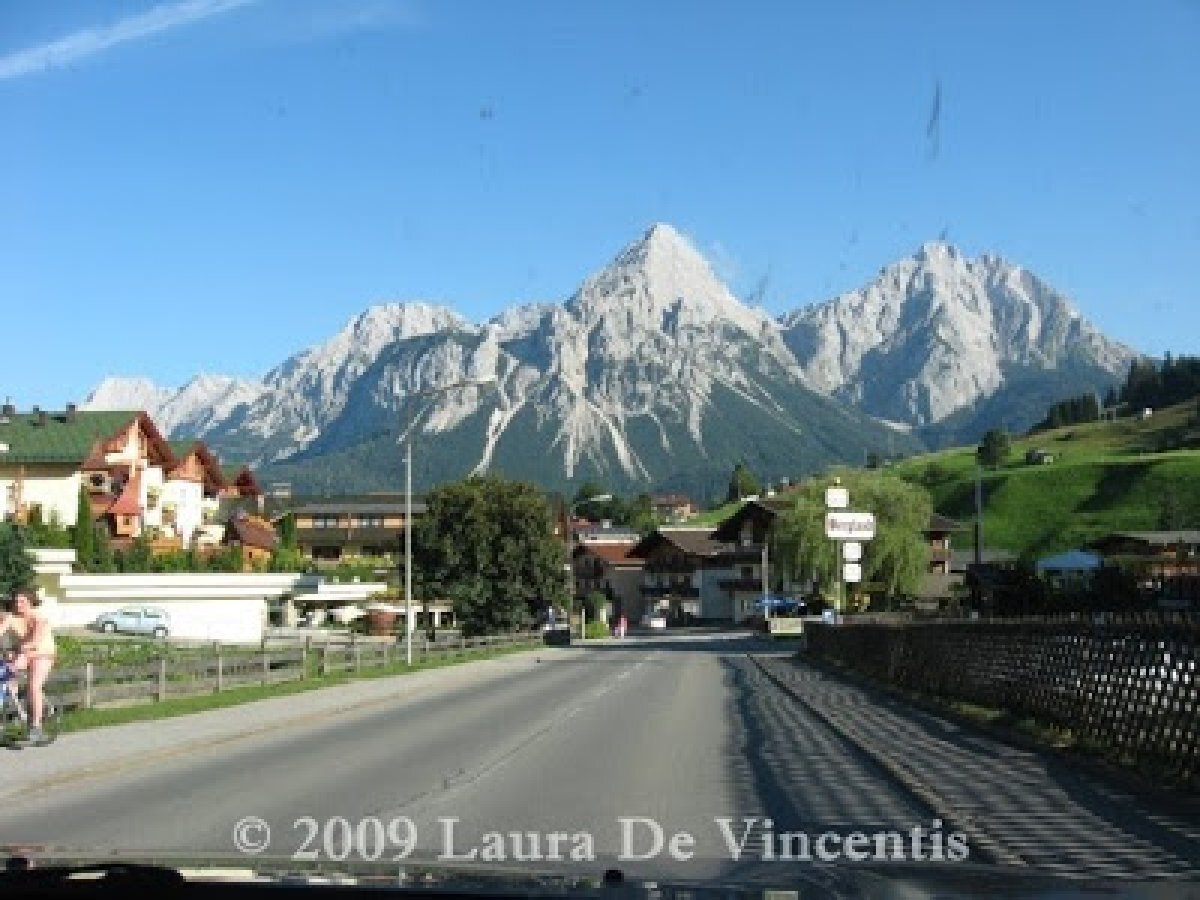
(960, 559)
(671, 500)
(1161, 538)
(693, 541)
(379, 504)
(251, 531)
(614, 552)
(128, 503)
(938, 522)
(762, 511)
(63, 438)
(590, 534)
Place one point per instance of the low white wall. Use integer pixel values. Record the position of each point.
(226, 607)
(217, 607)
(230, 621)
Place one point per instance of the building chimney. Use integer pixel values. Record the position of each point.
(39, 416)
(72, 409)
(8, 410)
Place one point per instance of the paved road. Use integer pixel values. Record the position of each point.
(685, 732)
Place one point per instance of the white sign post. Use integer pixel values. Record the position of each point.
(846, 529)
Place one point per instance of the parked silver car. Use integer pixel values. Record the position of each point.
(150, 620)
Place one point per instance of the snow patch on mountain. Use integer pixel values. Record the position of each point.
(119, 392)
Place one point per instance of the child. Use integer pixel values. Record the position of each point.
(8, 684)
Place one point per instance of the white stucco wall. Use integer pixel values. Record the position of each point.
(187, 497)
(151, 477)
(55, 492)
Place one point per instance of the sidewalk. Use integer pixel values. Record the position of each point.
(118, 747)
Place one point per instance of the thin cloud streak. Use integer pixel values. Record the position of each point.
(90, 41)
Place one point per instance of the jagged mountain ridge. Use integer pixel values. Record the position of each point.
(937, 333)
(652, 373)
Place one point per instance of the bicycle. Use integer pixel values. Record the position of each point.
(14, 716)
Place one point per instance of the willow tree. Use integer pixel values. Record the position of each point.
(895, 559)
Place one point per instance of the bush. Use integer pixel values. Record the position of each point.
(596, 630)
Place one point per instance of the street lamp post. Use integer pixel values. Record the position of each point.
(408, 597)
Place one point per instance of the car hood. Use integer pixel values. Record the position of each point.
(914, 881)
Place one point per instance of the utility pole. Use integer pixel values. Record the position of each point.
(766, 595)
(408, 602)
(978, 515)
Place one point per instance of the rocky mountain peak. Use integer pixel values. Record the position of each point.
(661, 281)
(938, 331)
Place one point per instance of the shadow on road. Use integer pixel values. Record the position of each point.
(1035, 804)
(733, 642)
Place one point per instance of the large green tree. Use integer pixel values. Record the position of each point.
(487, 544)
(16, 566)
(994, 449)
(895, 559)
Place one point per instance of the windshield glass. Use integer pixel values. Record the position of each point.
(718, 442)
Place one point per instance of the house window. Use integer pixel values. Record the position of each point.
(747, 572)
(325, 522)
(369, 522)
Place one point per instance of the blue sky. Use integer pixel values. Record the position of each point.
(211, 185)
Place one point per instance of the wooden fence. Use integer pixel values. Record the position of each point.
(1128, 684)
(209, 669)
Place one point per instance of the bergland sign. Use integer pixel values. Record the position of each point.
(849, 526)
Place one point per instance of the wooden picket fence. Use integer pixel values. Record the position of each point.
(1129, 684)
(213, 668)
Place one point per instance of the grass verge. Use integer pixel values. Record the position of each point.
(181, 706)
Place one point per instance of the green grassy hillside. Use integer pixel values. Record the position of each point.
(1107, 476)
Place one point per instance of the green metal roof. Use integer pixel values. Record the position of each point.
(58, 441)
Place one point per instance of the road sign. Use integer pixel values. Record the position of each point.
(852, 551)
(850, 526)
(851, 573)
(837, 498)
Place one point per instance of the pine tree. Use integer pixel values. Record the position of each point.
(83, 536)
(103, 558)
(287, 532)
(742, 483)
(16, 566)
